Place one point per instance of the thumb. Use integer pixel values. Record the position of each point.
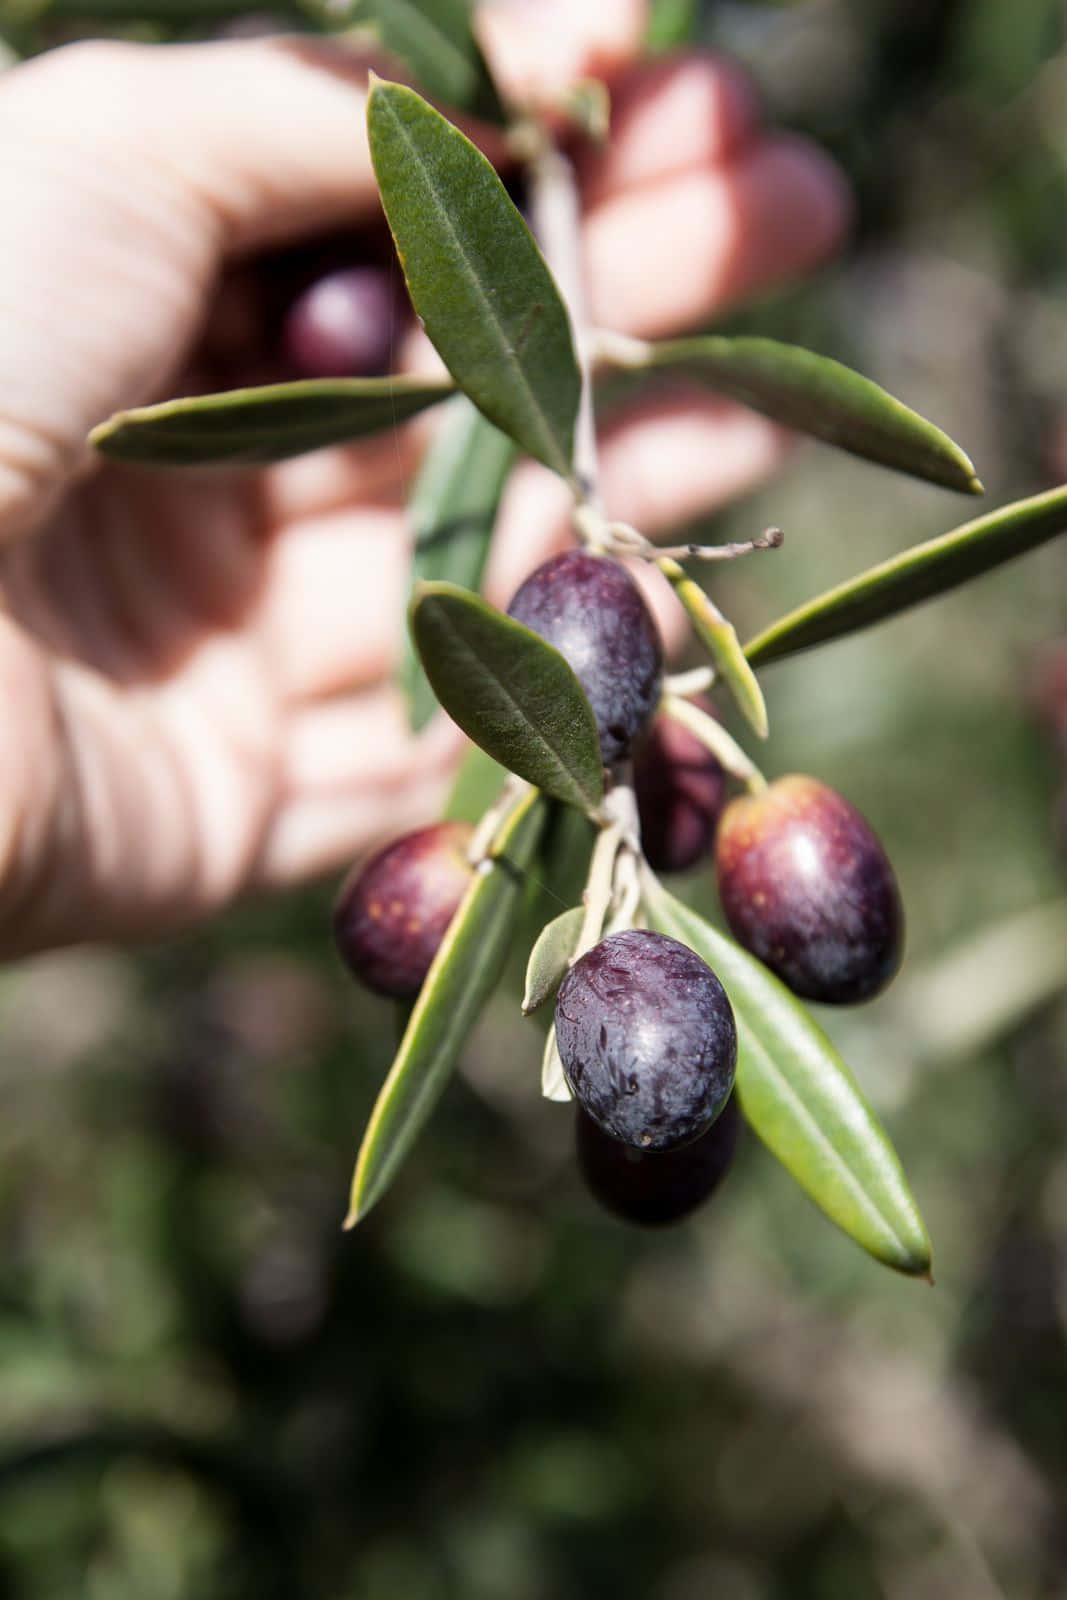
(127, 173)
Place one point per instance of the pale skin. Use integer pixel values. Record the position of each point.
(195, 671)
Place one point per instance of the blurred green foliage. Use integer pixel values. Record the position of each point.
(491, 1390)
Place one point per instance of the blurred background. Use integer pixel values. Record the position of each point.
(492, 1390)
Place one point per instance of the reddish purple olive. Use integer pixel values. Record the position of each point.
(680, 789)
(342, 325)
(647, 1039)
(654, 1189)
(592, 611)
(392, 913)
(806, 886)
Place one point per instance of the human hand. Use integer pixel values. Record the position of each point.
(194, 671)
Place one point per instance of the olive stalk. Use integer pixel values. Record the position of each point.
(723, 746)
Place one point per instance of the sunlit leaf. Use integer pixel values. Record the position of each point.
(719, 638)
(476, 276)
(434, 40)
(802, 1100)
(457, 986)
(817, 396)
(510, 692)
(253, 426)
(552, 951)
(915, 575)
(453, 508)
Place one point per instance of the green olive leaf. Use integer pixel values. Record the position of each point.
(510, 691)
(802, 1100)
(476, 276)
(453, 507)
(814, 395)
(549, 958)
(918, 574)
(719, 638)
(252, 426)
(459, 982)
(435, 41)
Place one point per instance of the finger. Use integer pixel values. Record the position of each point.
(670, 255)
(364, 740)
(188, 153)
(311, 837)
(265, 137)
(332, 608)
(355, 777)
(669, 459)
(539, 48)
(670, 117)
(123, 814)
(377, 471)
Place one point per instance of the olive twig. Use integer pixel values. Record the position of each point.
(478, 850)
(685, 684)
(555, 212)
(627, 891)
(611, 349)
(770, 539)
(723, 746)
(599, 888)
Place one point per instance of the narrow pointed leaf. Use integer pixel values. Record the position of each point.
(434, 39)
(915, 575)
(554, 1085)
(476, 276)
(820, 397)
(253, 426)
(510, 692)
(719, 638)
(457, 985)
(547, 966)
(453, 508)
(803, 1102)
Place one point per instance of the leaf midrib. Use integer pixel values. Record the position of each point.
(785, 1090)
(782, 1084)
(933, 556)
(511, 360)
(578, 787)
(928, 443)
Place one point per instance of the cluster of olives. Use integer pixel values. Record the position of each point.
(644, 1029)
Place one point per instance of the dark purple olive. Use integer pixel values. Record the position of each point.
(806, 887)
(647, 1039)
(680, 790)
(343, 325)
(593, 612)
(656, 1187)
(392, 913)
